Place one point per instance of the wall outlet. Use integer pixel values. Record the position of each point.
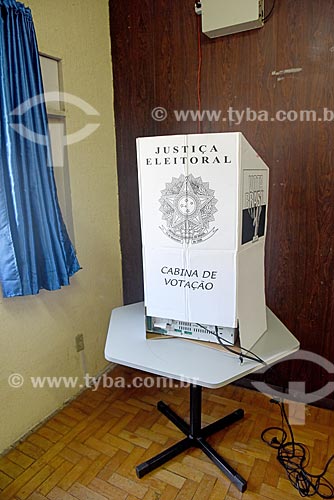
(79, 342)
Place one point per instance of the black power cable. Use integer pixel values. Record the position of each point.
(265, 19)
(241, 354)
(295, 457)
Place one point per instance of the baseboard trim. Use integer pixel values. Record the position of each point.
(246, 383)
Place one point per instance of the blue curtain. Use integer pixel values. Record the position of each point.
(35, 250)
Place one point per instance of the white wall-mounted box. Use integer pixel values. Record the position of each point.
(224, 17)
(203, 202)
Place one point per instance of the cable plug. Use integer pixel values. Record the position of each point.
(198, 8)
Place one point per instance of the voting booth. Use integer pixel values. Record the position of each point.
(203, 208)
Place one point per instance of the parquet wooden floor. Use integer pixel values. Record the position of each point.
(88, 451)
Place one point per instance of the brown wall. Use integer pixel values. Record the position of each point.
(154, 48)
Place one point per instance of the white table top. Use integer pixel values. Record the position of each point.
(185, 360)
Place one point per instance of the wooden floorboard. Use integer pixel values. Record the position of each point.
(89, 450)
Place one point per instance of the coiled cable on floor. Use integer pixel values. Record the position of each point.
(295, 457)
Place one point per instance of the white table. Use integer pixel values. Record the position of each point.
(199, 365)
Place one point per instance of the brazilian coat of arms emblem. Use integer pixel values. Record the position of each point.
(187, 205)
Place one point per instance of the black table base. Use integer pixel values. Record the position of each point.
(195, 437)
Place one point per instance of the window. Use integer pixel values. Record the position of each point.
(52, 81)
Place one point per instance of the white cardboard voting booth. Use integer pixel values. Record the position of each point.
(203, 203)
